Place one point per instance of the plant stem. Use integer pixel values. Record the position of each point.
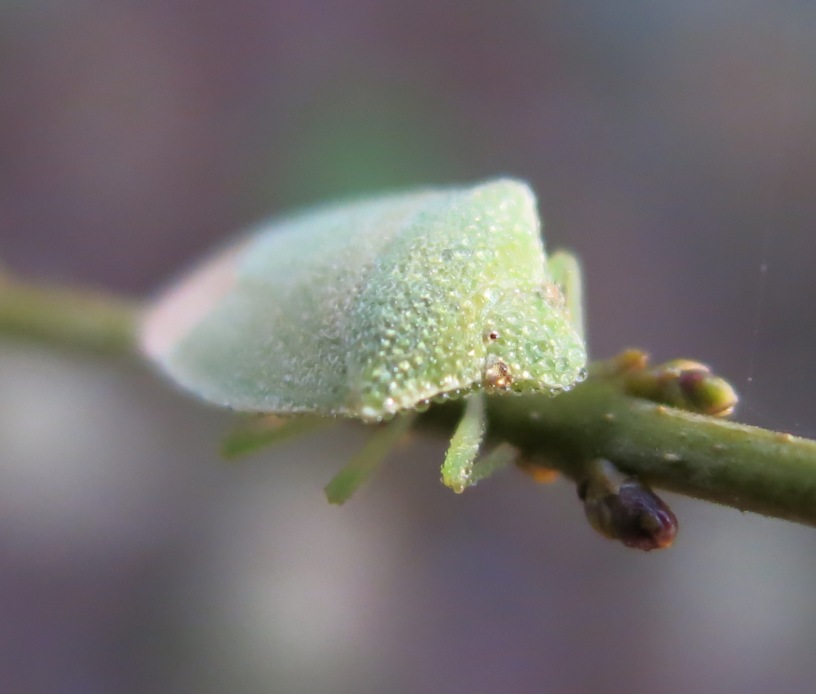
(79, 319)
(749, 468)
(746, 467)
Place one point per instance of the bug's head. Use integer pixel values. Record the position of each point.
(531, 343)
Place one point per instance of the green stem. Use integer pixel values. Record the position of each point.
(79, 319)
(745, 467)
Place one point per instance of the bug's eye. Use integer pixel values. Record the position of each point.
(491, 335)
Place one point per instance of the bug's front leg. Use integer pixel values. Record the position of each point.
(464, 446)
(565, 272)
(463, 467)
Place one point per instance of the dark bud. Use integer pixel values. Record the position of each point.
(623, 508)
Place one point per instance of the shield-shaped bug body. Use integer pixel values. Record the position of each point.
(371, 308)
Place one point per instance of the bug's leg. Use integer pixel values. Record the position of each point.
(499, 458)
(363, 465)
(565, 271)
(457, 470)
(252, 434)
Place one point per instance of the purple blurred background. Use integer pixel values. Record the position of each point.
(673, 146)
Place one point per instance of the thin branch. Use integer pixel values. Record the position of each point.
(80, 319)
(745, 467)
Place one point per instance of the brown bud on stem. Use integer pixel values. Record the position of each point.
(623, 508)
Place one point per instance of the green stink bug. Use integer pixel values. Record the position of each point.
(377, 308)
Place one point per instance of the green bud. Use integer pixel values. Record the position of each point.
(688, 385)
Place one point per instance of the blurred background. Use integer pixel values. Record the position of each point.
(673, 146)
